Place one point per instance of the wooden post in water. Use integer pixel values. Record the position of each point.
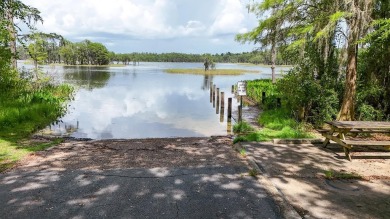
(229, 126)
(232, 89)
(217, 108)
(229, 112)
(211, 92)
(214, 95)
(222, 113)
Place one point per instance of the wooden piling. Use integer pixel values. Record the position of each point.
(229, 126)
(229, 112)
(232, 89)
(222, 112)
(222, 102)
(214, 86)
(211, 92)
(217, 108)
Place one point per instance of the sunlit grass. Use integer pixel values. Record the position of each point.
(277, 125)
(25, 109)
(13, 150)
(200, 71)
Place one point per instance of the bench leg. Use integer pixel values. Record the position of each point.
(347, 153)
(326, 142)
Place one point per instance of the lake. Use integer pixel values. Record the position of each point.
(145, 102)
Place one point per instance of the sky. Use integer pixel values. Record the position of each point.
(123, 26)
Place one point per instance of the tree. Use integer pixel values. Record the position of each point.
(269, 30)
(10, 10)
(317, 23)
(37, 51)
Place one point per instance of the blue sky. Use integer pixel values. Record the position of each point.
(190, 26)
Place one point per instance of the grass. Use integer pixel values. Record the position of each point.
(14, 149)
(331, 174)
(277, 124)
(242, 127)
(253, 172)
(25, 108)
(200, 71)
(243, 152)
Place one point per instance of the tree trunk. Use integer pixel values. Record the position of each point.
(12, 33)
(347, 111)
(273, 60)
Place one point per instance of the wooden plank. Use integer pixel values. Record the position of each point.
(323, 130)
(360, 124)
(366, 143)
(369, 131)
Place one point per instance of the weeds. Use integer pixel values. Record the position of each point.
(331, 174)
(253, 172)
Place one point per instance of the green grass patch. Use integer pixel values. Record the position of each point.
(331, 174)
(14, 149)
(277, 124)
(242, 127)
(200, 71)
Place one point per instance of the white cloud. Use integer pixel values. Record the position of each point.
(142, 19)
(230, 19)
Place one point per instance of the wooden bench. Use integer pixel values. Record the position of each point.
(339, 130)
(356, 131)
(366, 143)
(348, 144)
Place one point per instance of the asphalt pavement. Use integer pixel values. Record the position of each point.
(176, 192)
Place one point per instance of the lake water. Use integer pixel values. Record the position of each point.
(145, 102)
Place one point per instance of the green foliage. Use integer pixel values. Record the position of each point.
(242, 127)
(255, 89)
(277, 123)
(28, 106)
(369, 113)
(312, 98)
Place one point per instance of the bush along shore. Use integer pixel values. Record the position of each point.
(276, 119)
(27, 106)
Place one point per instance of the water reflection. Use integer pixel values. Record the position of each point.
(144, 102)
(88, 78)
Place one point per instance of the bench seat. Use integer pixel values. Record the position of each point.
(366, 143)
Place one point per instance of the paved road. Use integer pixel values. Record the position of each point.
(202, 178)
(187, 192)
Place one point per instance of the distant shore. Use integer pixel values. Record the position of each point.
(201, 71)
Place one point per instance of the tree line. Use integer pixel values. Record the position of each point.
(52, 48)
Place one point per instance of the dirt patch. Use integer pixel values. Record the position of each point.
(134, 153)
